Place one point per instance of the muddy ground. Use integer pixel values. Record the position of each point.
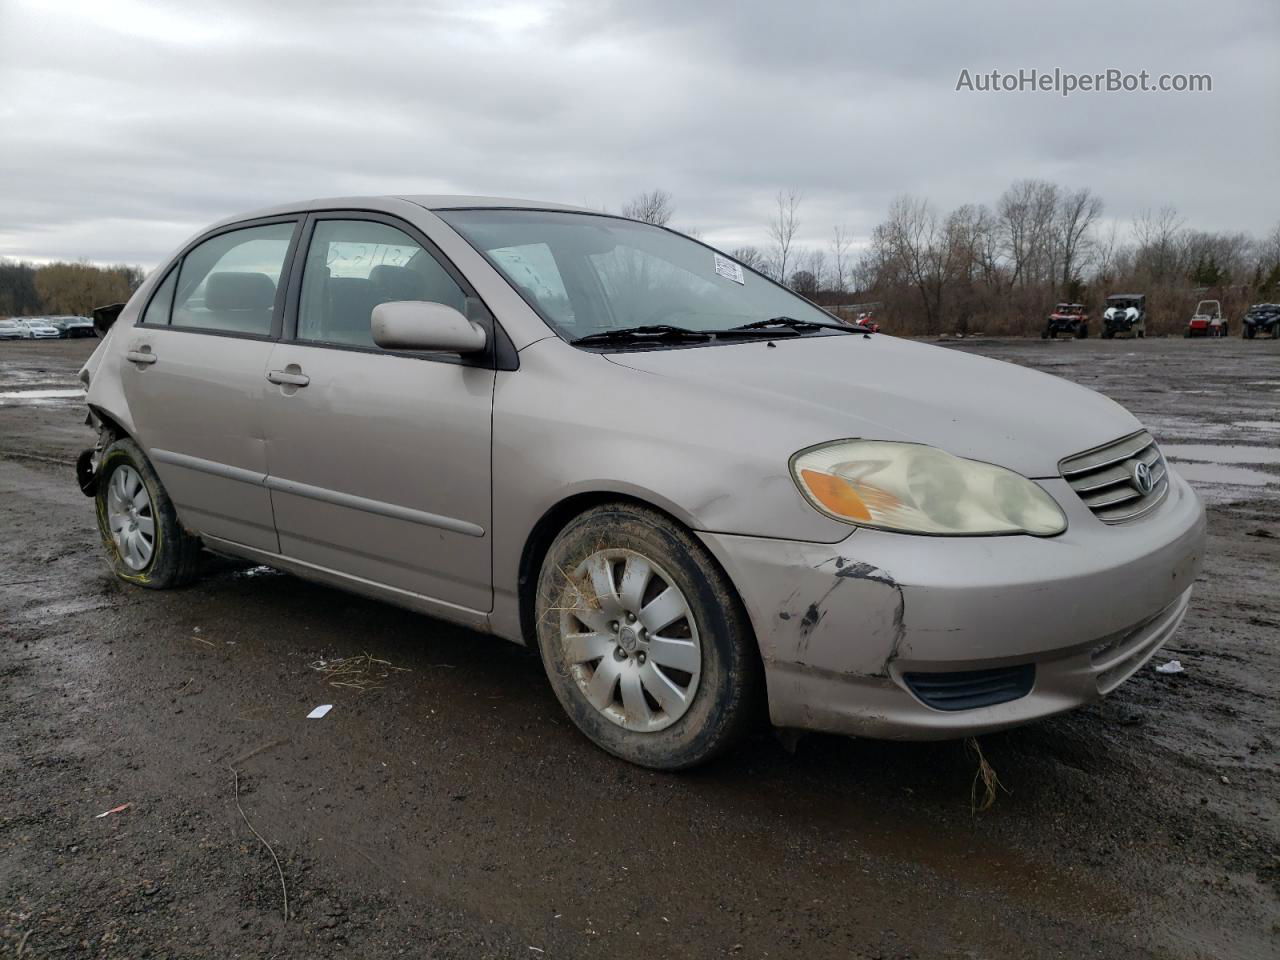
(453, 812)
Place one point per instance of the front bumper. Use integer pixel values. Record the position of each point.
(841, 625)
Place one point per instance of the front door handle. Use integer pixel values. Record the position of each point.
(289, 378)
(141, 356)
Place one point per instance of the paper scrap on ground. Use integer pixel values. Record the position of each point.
(1173, 666)
(320, 711)
(107, 813)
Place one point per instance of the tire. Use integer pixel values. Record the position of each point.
(599, 582)
(1081, 332)
(1045, 335)
(1108, 334)
(1247, 333)
(129, 494)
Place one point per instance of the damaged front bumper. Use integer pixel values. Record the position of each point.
(910, 637)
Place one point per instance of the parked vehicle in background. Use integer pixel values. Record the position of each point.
(1207, 321)
(11, 330)
(1126, 313)
(1262, 318)
(1067, 318)
(424, 399)
(73, 326)
(869, 321)
(39, 328)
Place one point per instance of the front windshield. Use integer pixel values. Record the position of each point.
(587, 274)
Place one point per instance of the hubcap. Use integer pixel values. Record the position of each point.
(130, 517)
(630, 640)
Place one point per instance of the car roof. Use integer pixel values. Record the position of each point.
(431, 201)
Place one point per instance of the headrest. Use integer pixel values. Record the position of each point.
(239, 291)
(397, 283)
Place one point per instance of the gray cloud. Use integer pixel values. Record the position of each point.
(125, 126)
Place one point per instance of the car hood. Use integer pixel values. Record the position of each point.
(884, 388)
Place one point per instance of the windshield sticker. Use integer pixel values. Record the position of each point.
(729, 270)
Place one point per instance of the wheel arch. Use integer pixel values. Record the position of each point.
(112, 422)
(556, 517)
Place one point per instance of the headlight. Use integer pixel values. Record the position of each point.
(912, 488)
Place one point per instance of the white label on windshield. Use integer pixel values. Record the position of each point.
(729, 270)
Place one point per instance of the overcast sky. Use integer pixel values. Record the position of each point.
(126, 126)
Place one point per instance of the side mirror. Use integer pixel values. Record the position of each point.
(104, 317)
(423, 325)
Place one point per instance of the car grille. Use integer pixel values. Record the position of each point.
(968, 689)
(1106, 478)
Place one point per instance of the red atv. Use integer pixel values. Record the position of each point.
(1067, 318)
(1207, 321)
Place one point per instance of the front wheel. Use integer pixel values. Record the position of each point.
(646, 645)
(145, 543)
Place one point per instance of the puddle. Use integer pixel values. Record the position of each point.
(1219, 453)
(1162, 427)
(1273, 425)
(65, 394)
(1216, 474)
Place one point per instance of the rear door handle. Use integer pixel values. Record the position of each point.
(141, 356)
(292, 379)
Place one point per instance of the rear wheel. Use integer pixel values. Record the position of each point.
(647, 647)
(145, 544)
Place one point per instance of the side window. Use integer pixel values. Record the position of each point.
(354, 265)
(161, 301)
(229, 281)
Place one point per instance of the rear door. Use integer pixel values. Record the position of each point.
(194, 378)
(379, 461)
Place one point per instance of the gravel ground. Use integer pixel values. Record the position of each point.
(451, 811)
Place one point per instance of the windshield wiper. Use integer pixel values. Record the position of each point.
(791, 323)
(650, 333)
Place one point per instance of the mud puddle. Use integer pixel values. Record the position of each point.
(1220, 453)
(8, 397)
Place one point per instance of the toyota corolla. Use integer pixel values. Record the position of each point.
(693, 492)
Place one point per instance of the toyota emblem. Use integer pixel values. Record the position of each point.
(1142, 478)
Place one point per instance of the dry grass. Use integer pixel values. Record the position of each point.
(986, 776)
(362, 673)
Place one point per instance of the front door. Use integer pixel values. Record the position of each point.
(378, 462)
(193, 376)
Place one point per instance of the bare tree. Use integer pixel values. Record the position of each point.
(750, 257)
(1026, 211)
(1077, 211)
(652, 207)
(783, 228)
(1157, 239)
(840, 244)
(912, 247)
(811, 270)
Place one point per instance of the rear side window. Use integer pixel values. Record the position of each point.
(354, 265)
(161, 302)
(229, 282)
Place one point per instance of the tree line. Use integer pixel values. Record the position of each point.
(63, 289)
(1000, 268)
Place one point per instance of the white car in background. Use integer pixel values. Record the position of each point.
(10, 330)
(38, 328)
